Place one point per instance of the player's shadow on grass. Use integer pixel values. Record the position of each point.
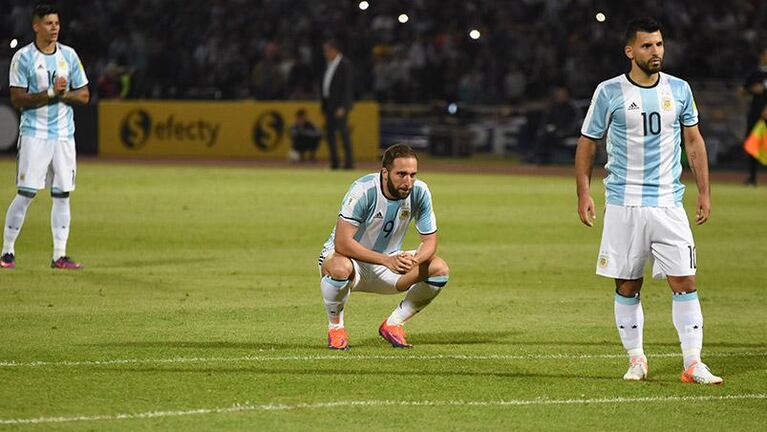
(453, 338)
(214, 345)
(399, 373)
(159, 262)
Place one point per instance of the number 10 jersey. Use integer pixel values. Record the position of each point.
(643, 130)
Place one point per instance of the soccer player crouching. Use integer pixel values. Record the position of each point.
(363, 251)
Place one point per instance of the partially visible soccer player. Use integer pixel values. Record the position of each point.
(644, 114)
(364, 252)
(46, 77)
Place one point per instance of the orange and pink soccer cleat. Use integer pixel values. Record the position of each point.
(394, 334)
(338, 339)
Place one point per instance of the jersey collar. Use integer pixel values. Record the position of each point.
(655, 84)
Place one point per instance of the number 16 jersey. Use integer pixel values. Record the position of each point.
(643, 128)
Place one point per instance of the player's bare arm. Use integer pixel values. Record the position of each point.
(427, 249)
(584, 161)
(698, 159)
(80, 96)
(21, 99)
(346, 245)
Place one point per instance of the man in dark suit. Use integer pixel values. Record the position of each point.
(337, 90)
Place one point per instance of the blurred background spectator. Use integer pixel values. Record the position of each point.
(445, 71)
(270, 49)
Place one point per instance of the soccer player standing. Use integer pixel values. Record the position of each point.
(46, 78)
(364, 252)
(644, 115)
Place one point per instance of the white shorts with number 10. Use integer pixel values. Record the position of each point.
(633, 234)
(46, 163)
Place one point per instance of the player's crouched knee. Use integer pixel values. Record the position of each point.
(340, 268)
(438, 267)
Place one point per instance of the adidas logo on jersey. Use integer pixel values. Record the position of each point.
(633, 106)
(378, 216)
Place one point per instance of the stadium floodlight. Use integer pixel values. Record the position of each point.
(364, 5)
(14, 43)
(474, 34)
(452, 108)
(601, 17)
(403, 18)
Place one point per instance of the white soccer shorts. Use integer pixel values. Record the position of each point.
(633, 234)
(368, 277)
(46, 163)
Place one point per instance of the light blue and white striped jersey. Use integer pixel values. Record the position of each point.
(35, 71)
(382, 223)
(644, 137)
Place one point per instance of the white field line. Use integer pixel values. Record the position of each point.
(247, 406)
(352, 357)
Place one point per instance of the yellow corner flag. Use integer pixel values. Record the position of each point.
(756, 143)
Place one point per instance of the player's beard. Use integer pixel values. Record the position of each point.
(393, 191)
(649, 70)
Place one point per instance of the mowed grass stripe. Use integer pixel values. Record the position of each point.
(179, 360)
(236, 408)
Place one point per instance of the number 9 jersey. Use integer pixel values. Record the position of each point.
(381, 222)
(643, 129)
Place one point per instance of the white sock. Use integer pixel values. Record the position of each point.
(629, 319)
(60, 219)
(334, 295)
(418, 297)
(14, 220)
(688, 320)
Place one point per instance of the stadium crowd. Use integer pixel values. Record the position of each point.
(271, 49)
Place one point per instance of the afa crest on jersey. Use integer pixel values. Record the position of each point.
(666, 104)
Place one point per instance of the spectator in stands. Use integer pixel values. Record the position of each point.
(560, 122)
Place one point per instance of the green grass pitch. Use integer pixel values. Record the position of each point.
(199, 309)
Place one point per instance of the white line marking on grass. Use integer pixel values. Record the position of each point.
(341, 357)
(247, 406)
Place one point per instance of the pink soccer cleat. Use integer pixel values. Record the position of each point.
(394, 334)
(65, 263)
(8, 261)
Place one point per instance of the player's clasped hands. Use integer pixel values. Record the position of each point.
(401, 263)
(60, 85)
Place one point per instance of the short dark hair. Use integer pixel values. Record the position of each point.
(397, 151)
(42, 10)
(646, 25)
(334, 43)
